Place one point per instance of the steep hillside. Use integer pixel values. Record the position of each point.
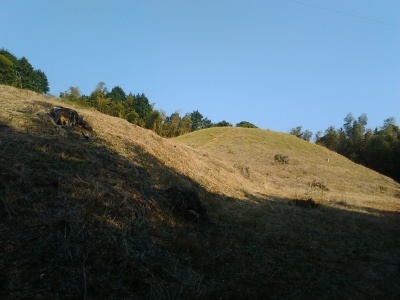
(86, 215)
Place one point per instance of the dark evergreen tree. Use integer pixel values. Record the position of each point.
(196, 117)
(198, 121)
(117, 94)
(27, 74)
(21, 74)
(206, 123)
(329, 139)
(142, 106)
(40, 82)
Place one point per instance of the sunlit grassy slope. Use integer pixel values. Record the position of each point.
(89, 218)
(251, 152)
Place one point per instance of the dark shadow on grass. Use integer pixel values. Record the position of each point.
(80, 221)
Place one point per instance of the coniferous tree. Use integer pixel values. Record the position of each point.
(196, 117)
(21, 74)
(117, 94)
(330, 139)
(40, 82)
(27, 74)
(142, 106)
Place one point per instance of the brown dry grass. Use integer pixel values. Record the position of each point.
(89, 218)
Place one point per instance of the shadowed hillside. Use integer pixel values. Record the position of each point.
(88, 217)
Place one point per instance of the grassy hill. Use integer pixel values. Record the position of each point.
(310, 167)
(89, 218)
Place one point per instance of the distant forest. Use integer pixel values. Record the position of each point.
(378, 149)
(137, 109)
(21, 74)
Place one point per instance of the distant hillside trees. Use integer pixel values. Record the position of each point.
(137, 109)
(298, 132)
(142, 106)
(223, 124)
(175, 125)
(20, 73)
(246, 124)
(8, 71)
(377, 149)
(117, 94)
(198, 121)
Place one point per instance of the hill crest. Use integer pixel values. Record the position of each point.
(252, 153)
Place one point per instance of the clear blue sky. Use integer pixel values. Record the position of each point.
(276, 63)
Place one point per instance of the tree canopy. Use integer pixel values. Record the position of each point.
(117, 94)
(20, 73)
(198, 121)
(298, 131)
(377, 149)
(246, 124)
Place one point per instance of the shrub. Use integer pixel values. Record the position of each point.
(318, 185)
(282, 159)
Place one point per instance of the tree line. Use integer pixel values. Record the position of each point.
(377, 149)
(20, 73)
(137, 109)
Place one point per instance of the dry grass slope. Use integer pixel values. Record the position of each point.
(89, 218)
(310, 167)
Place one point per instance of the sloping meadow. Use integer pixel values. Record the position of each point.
(86, 215)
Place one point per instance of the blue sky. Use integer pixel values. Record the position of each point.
(276, 63)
